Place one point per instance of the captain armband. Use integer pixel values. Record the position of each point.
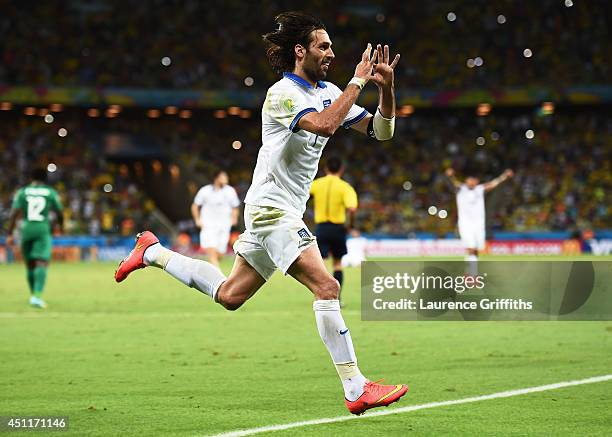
(380, 127)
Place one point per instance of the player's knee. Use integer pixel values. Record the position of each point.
(328, 290)
(229, 301)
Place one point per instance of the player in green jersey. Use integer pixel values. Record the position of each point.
(33, 203)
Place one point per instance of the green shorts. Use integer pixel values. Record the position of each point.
(36, 245)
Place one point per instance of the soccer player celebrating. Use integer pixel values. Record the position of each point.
(471, 212)
(34, 202)
(301, 111)
(333, 199)
(215, 211)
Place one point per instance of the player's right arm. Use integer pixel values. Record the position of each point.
(56, 205)
(195, 213)
(196, 206)
(450, 174)
(326, 122)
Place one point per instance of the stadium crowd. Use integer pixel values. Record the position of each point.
(209, 45)
(99, 197)
(562, 162)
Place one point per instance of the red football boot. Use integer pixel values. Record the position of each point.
(376, 395)
(134, 260)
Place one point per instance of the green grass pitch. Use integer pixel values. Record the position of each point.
(152, 357)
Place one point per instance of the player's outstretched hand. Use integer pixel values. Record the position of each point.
(364, 68)
(509, 173)
(383, 71)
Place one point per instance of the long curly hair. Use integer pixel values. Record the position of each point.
(294, 28)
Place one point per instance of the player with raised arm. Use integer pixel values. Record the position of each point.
(33, 203)
(471, 212)
(301, 111)
(215, 211)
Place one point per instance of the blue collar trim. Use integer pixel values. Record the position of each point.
(301, 81)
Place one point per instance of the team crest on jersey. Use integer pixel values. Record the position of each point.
(303, 233)
(326, 103)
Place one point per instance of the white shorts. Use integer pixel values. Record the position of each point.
(215, 237)
(273, 239)
(472, 237)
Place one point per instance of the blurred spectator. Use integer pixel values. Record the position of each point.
(563, 174)
(212, 45)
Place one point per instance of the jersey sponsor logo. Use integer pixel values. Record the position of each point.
(326, 103)
(303, 233)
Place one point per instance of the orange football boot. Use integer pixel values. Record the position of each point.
(376, 395)
(134, 260)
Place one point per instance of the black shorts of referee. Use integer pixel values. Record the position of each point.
(331, 238)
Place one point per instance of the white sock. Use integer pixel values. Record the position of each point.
(336, 337)
(195, 273)
(472, 264)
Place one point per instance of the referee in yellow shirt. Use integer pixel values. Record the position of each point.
(333, 199)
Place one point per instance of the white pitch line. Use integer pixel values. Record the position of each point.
(502, 394)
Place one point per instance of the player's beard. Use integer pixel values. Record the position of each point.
(315, 70)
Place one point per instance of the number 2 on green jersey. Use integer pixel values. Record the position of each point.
(36, 206)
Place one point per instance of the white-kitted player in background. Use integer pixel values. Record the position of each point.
(215, 211)
(471, 217)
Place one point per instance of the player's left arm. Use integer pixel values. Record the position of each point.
(381, 125)
(350, 203)
(235, 204)
(14, 215)
(16, 212)
(488, 186)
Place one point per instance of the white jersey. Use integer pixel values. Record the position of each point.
(471, 206)
(216, 205)
(289, 157)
